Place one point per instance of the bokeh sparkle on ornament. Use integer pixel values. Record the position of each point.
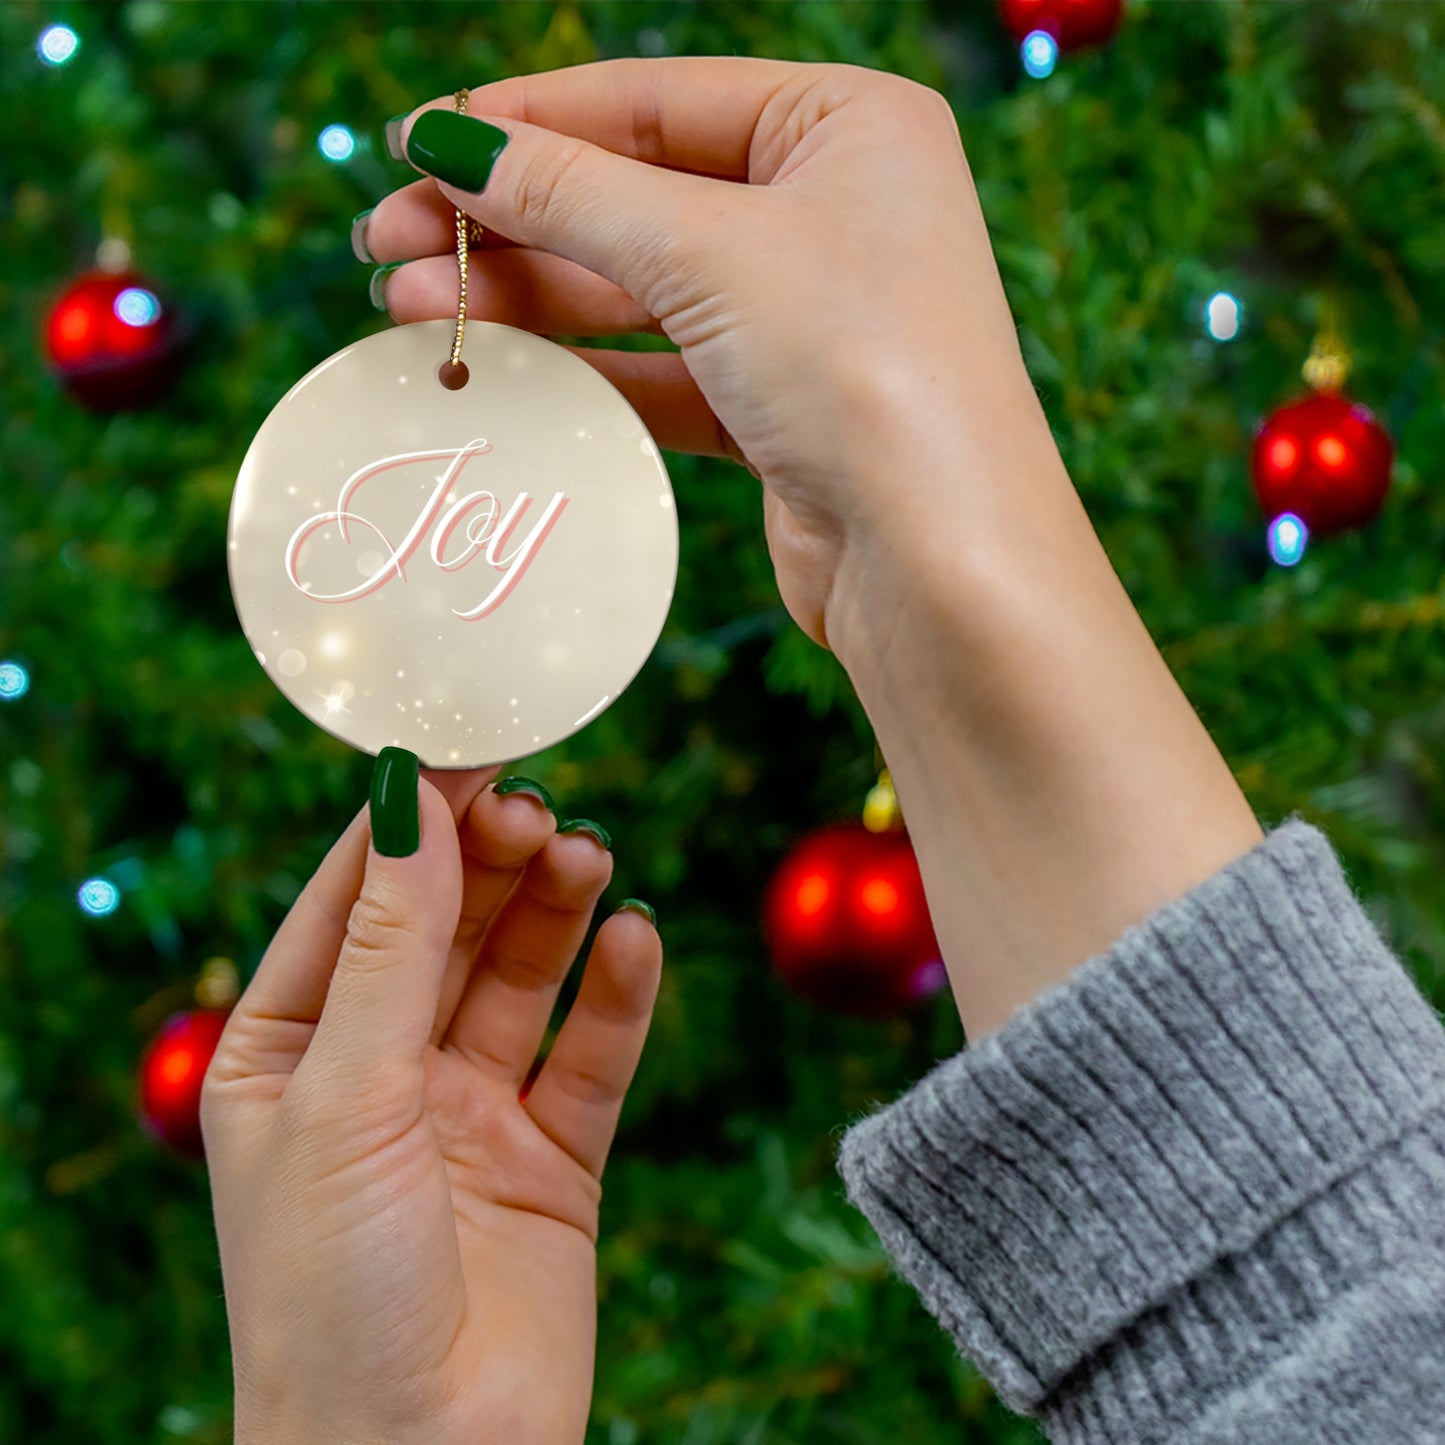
(1040, 54)
(336, 143)
(1288, 537)
(98, 897)
(1223, 316)
(14, 681)
(57, 44)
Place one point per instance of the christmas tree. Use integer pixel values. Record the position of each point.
(1180, 214)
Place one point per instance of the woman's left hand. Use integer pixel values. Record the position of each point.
(407, 1235)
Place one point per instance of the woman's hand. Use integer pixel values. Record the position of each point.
(407, 1245)
(808, 235)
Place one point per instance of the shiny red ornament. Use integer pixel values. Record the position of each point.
(1073, 23)
(171, 1072)
(1324, 458)
(847, 923)
(112, 341)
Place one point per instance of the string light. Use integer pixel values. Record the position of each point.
(98, 897)
(1040, 54)
(14, 681)
(57, 44)
(1287, 538)
(336, 143)
(137, 307)
(1223, 316)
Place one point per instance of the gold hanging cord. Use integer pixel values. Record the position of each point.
(469, 233)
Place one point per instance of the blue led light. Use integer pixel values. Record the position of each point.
(14, 681)
(137, 307)
(1287, 538)
(1223, 316)
(98, 897)
(336, 143)
(57, 44)
(1040, 53)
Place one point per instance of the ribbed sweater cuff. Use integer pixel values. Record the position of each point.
(1173, 1108)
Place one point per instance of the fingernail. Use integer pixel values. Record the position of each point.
(393, 137)
(636, 905)
(455, 148)
(359, 247)
(586, 825)
(395, 810)
(529, 786)
(377, 288)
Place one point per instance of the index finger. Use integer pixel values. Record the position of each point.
(685, 112)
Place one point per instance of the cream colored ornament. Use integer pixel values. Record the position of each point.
(473, 574)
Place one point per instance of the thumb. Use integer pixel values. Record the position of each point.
(382, 999)
(639, 226)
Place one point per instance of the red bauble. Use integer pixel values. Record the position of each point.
(847, 923)
(1073, 23)
(171, 1072)
(112, 341)
(1326, 459)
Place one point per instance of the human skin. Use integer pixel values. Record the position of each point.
(810, 238)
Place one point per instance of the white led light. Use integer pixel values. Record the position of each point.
(137, 307)
(1040, 54)
(336, 143)
(99, 897)
(1287, 538)
(57, 44)
(1223, 316)
(14, 681)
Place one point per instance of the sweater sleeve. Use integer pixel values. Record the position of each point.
(1196, 1192)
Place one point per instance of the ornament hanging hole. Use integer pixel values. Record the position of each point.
(453, 374)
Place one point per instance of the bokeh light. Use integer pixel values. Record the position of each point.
(336, 143)
(57, 44)
(1287, 538)
(1223, 316)
(138, 307)
(1040, 54)
(98, 897)
(14, 681)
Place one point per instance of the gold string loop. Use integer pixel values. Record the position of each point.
(453, 373)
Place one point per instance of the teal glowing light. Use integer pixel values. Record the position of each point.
(1040, 53)
(137, 307)
(99, 897)
(336, 143)
(57, 44)
(1223, 316)
(14, 681)
(1287, 538)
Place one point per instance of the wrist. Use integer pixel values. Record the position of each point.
(1056, 782)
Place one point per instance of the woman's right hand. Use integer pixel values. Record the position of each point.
(842, 302)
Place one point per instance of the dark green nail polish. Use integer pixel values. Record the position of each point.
(377, 289)
(393, 137)
(526, 785)
(586, 825)
(455, 148)
(359, 248)
(395, 810)
(636, 905)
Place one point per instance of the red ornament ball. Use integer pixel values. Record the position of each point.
(1073, 23)
(847, 923)
(112, 341)
(171, 1072)
(1324, 458)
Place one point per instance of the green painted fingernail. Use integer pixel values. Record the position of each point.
(359, 248)
(636, 905)
(393, 137)
(395, 809)
(455, 148)
(377, 289)
(529, 786)
(586, 825)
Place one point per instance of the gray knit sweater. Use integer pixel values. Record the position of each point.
(1196, 1193)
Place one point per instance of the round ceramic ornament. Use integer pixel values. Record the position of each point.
(472, 574)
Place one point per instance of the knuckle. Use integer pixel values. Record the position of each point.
(543, 187)
(374, 933)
